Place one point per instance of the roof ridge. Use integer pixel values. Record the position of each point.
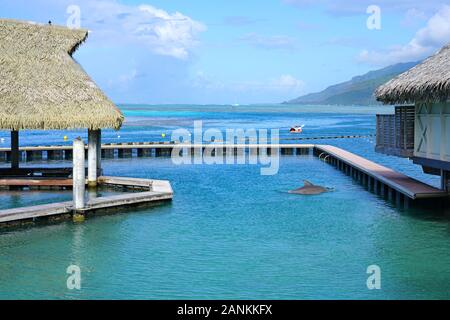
(43, 25)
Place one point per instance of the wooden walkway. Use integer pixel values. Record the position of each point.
(151, 191)
(378, 178)
(138, 149)
(35, 182)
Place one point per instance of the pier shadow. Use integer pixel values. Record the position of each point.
(429, 210)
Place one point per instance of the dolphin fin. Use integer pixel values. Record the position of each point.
(307, 183)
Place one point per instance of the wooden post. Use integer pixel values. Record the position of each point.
(406, 202)
(92, 157)
(398, 198)
(78, 174)
(68, 154)
(444, 180)
(14, 149)
(99, 153)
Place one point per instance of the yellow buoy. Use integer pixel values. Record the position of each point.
(163, 135)
(65, 138)
(78, 217)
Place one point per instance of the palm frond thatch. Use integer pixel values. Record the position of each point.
(429, 81)
(42, 86)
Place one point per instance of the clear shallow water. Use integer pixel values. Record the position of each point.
(232, 233)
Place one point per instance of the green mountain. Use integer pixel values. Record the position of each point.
(358, 91)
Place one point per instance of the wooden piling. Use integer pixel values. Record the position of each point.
(144, 152)
(55, 155)
(124, 153)
(98, 148)
(68, 154)
(15, 156)
(390, 193)
(406, 203)
(108, 153)
(398, 196)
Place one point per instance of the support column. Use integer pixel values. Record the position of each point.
(398, 198)
(406, 202)
(92, 157)
(444, 180)
(14, 149)
(99, 153)
(78, 174)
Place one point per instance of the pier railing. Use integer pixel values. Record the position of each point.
(395, 133)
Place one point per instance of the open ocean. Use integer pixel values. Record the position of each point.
(229, 231)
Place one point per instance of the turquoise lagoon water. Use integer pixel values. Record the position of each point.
(230, 232)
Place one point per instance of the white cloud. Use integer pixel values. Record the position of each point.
(287, 82)
(161, 32)
(413, 17)
(425, 42)
(282, 84)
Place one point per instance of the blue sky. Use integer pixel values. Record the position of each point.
(226, 51)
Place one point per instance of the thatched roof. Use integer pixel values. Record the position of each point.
(429, 81)
(42, 86)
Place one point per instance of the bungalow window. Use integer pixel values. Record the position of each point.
(395, 132)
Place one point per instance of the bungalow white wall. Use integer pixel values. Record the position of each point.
(432, 131)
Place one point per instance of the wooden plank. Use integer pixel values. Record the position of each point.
(34, 171)
(131, 182)
(125, 200)
(162, 186)
(161, 191)
(36, 182)
(406, 185)
(33, 212)
(44, 210)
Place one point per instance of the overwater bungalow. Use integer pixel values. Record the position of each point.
(420, 127)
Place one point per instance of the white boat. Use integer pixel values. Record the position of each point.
(296, 129)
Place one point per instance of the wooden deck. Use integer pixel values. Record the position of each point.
(408, 186)
(33, 212)
(36, 182)
(153, 191)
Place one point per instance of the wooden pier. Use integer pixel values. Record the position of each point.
(150, 191)
(143, 149)
(381, 180)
